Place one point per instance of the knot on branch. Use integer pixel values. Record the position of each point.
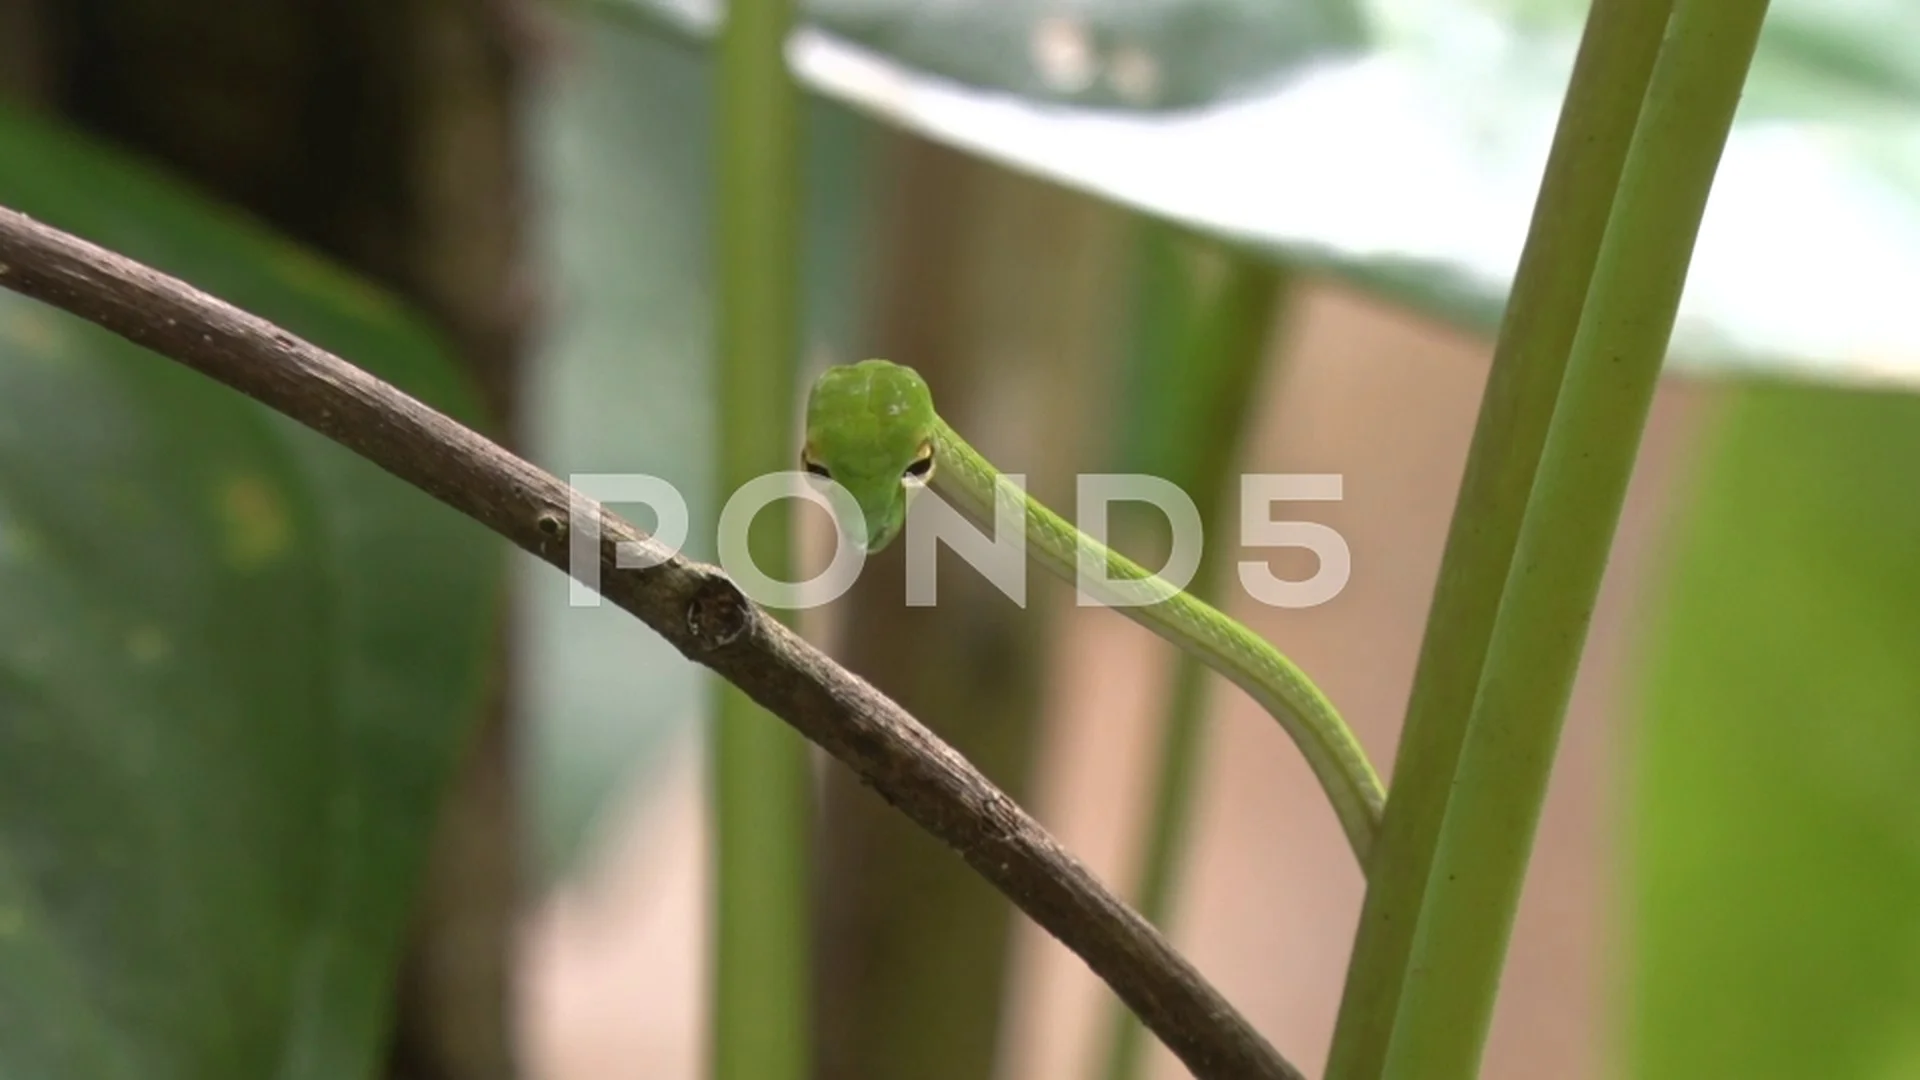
(718, 613)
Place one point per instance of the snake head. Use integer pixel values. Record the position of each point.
(870, 429)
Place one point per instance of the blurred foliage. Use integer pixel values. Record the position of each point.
(1137, 54)
(1184, 379)
(621, 382)
(1773, 841)
(237, 663)
(1815, 53)
(618, 383)
(1204, 319)
(1405, 157)
(1129, 55)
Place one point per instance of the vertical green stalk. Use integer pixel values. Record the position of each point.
(1486, 837)
(1227, 323)
(760, 767)
(1597, 118)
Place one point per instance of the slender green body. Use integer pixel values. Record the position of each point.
(872, 428)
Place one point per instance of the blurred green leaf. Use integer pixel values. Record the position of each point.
(1162, 425)
(1860, 54)
(1774, 813)
(1132, 55)
(622, 382)
(1188, 368)
(1816, 59)
(1410, 165)
(1141, 54)
(236, 665)
(1204, 318)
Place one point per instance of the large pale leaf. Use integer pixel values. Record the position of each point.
(1410, 165)
(1140, 54)
(236, 665)
(1774, 816)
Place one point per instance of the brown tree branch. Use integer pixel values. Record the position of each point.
(693, 606)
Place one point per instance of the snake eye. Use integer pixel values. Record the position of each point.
(920, 469)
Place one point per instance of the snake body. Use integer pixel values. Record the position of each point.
(872, 428)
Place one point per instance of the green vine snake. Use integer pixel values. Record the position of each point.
(871, 428)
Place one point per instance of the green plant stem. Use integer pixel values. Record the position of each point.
(761, 785)
(1486, 836)
(1597, 118)
(1230, 325)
